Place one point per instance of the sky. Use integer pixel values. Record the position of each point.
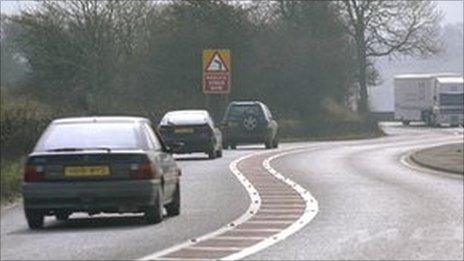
(453, 10)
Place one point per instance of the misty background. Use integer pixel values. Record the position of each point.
(449, 60)
(381, 95)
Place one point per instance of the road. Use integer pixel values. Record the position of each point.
(371, 206)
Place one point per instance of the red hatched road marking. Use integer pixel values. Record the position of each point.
(279, 206)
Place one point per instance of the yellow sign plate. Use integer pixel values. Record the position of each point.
(86, 171)
(216, 60)
(216, 71)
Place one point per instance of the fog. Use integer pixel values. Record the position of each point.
(449, 60)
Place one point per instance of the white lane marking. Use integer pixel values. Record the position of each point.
(310, 212)
(238, 238)
(255, 203)
(312, 208)
(257, 229)
(405, 160)
(184, 258)
(214, 248)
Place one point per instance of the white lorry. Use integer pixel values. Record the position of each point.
(432, 98)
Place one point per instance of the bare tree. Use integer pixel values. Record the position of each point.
(380, 28)
(95, 45)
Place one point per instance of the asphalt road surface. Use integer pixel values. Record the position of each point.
(371, 206)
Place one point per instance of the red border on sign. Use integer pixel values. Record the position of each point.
(211, 60)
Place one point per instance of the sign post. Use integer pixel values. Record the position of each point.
(216, 72)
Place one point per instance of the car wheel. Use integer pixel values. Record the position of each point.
(268, 144)
(250, 122)
(219, 153)
(35, 218)
(275, 144)
(173, 208)
(62, 216)
(212, 154)
(154, 214)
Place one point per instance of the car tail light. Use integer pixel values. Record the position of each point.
(33, 173)
(141, 171)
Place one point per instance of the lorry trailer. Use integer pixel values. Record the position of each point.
(435, 99)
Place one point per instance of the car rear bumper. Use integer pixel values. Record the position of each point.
(238, 136)
(101, 196)
(191, 145)
(245, 140)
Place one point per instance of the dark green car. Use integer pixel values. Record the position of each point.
(100, 164)
(249, 122)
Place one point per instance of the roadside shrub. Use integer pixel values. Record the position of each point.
(335, 122)
(22, 120)
(10, 179)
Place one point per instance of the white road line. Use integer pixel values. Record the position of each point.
(183, 258)
(312, 208)
(214, 248)
(238, 238)
(310, 212)
(282, 196)
(405, 160)
(254, 205)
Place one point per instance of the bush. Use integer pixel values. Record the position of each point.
(22, 121)
(10, 179)
(335, 122)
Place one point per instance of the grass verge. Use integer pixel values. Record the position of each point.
(448, 158)
(10, 179)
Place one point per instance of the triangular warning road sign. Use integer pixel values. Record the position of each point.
(216, 64)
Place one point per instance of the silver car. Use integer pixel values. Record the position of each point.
(100, 164)
(189, 131)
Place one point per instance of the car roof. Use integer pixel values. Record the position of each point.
(185, 117)
(245, 102)
(106, 119)
(187, 112)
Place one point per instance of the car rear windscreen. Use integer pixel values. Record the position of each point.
(237, 111)
(90, 135)
(184, 119)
